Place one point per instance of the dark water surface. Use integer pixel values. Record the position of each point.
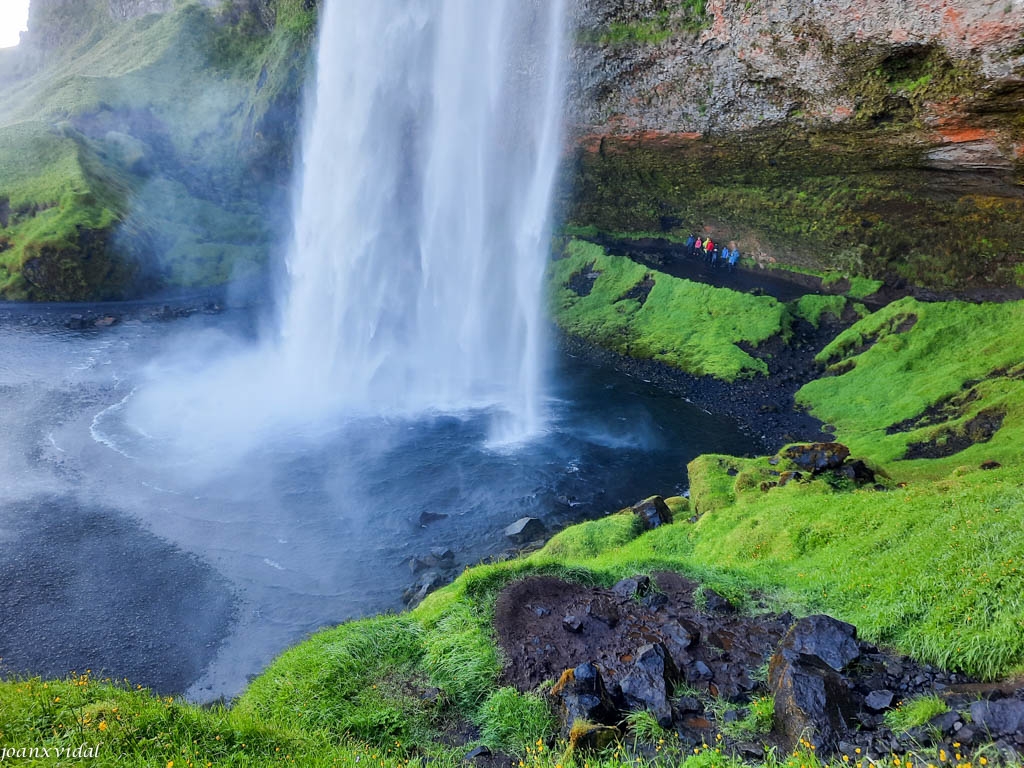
(138, 565)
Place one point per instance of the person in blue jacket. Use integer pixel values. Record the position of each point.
(734, 257)
(690, 241)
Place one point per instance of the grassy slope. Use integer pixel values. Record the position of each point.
(951, 346)
(192, 90)
(691, 326)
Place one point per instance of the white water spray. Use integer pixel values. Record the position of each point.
(422, 230)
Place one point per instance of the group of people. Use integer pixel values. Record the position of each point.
(727, 256)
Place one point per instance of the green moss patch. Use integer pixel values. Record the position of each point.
(643, 313)
(921, 373)
(814, 307)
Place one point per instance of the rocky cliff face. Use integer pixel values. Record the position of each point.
(766, 61)
(883, 136)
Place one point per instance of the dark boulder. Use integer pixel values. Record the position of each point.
(787, 477)
(879, 700)
(442, 555)
(572, 623)
(426, 518)
(634, 586)
(831, 640)
(679, 636)
(859, 472)
(715, 603)
(525, 529)
(423, 586)
(699, 672)
(649, 683)
(653, 601)
(581, 696)
(998, 718)
(477, 752)
(652, 512)
(817, 457)
(812, 700)
(76, 323)
(439, 557)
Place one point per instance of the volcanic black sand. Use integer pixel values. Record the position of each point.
(91, 574)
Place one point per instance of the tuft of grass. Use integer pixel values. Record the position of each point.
(862, 287)
(757, 721)
(687, 17)
(691, 326)
(644, 727)
(915, 713)
(813, 307)
(514, 721)
(352, 680)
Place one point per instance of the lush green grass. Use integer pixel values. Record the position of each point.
(644, 727)
(756, 722)
(137, 728)
(813, 307)
(951, 345)
(513, 721)
(691, 326)
(915, 712)
(862, 287)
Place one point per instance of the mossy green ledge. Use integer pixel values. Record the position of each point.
(854, 198)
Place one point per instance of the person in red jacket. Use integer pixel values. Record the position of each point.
(709, 250)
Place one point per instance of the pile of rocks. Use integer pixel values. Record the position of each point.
(688, 657)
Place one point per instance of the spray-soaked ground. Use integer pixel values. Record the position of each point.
(189, 571)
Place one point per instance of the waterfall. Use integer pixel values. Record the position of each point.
(415, 272)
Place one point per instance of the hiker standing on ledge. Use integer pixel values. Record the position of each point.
(734, 255)
(689, 245)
